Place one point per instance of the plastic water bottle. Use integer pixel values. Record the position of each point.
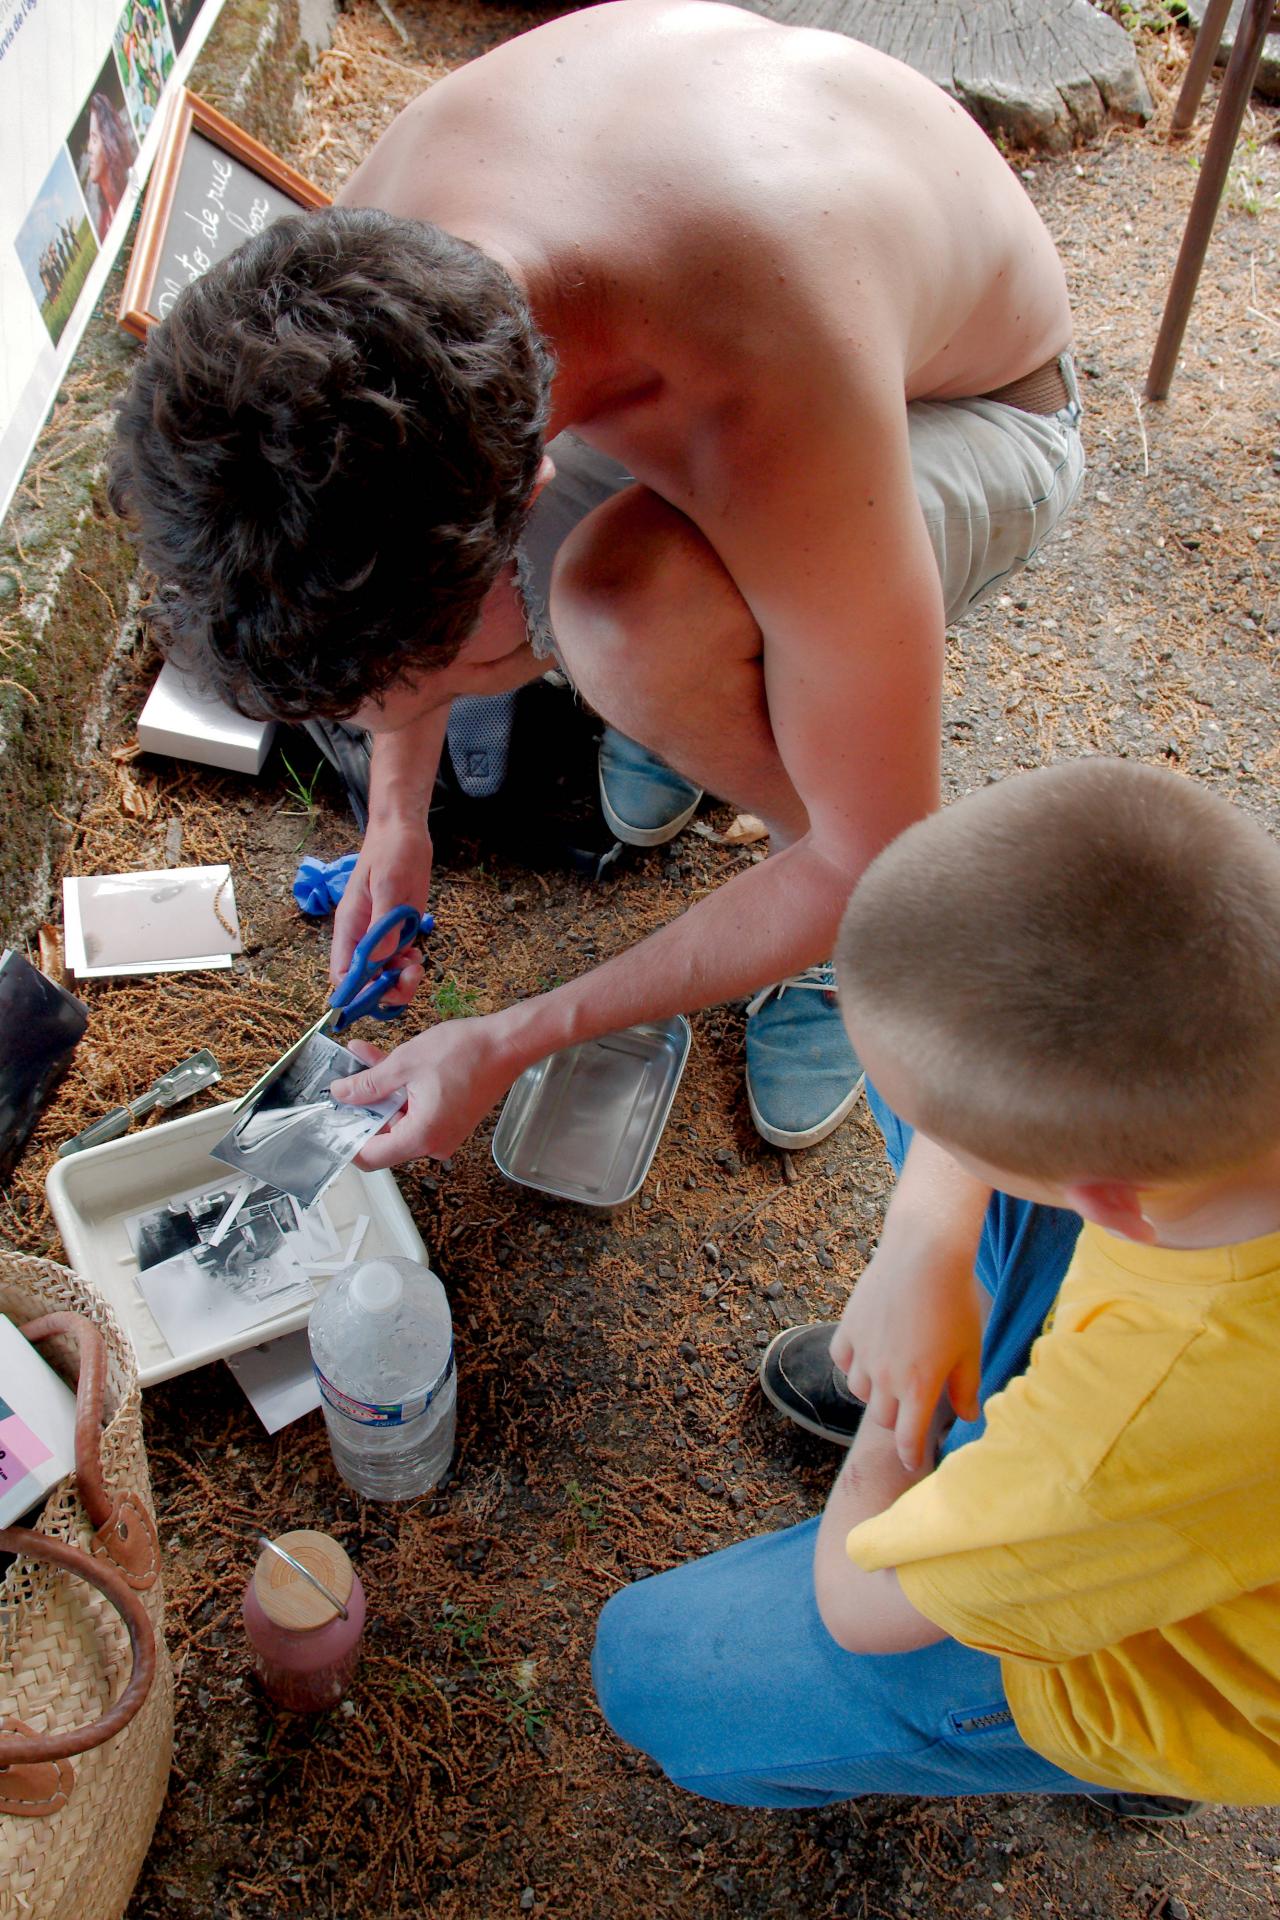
(382, 1349)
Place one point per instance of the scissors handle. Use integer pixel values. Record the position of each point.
(359, 996)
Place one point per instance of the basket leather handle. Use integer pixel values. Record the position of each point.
(20, 1751)
(124, 1529)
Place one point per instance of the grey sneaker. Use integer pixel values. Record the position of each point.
(802, 1074)
(644, 801)
(798, 1378)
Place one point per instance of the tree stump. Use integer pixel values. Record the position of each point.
(1038, 73)
(1268, 79)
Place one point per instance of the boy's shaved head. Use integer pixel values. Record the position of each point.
(1078, 972)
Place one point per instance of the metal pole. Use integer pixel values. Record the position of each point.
(1251, 37)
(1203, 55)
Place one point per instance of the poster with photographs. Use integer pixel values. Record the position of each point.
(295, 1135)
(103, 147)
(85, 88)
(216, 1261)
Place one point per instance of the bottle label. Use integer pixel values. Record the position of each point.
(373, 1413)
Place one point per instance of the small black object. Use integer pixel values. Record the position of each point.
(40, 1025)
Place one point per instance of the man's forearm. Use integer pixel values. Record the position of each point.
(403, 767)
(934, 1189)
(770, 921)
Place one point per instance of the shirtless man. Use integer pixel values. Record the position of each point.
(759, 255)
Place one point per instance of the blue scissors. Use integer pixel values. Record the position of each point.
(358, 995)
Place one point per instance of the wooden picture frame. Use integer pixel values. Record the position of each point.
(141, 303)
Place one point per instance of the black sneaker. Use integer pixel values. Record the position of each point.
(1145, 1806)
(798, 1378)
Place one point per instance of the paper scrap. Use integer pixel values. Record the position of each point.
(278, 1379)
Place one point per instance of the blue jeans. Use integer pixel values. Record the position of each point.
(723, 1672)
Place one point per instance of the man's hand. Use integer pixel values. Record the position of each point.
(394, 869)
(912, 1328)
(453, 1073)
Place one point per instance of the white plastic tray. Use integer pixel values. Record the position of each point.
(93, 1193)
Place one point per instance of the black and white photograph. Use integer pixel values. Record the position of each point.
(296, 1136)
(218, 1261)
(182, 17)
(173, 920)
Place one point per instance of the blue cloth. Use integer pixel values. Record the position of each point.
(723, 1672)
(318, 885)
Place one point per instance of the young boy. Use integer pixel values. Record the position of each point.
(1069, 983)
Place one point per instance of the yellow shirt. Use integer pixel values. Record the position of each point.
(1114, 1535)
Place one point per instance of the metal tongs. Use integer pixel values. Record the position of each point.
(180, 1083)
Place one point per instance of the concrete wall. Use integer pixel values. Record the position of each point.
(68, 603)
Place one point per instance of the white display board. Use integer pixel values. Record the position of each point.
(83, 85)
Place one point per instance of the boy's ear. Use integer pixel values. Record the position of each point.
(1115, 1205)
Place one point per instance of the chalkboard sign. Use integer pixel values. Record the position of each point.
(212, 187)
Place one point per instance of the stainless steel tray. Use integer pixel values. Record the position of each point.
(584, 1124)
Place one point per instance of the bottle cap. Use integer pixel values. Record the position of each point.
(303, 1580)
(377, 1286)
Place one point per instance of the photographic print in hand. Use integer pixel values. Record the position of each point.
(296, 1136)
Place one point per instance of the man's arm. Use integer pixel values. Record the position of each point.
(394, 867)
(824, 537)
(866, 1612)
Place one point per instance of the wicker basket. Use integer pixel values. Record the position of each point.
(86, 1689)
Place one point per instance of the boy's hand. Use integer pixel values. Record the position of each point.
(913, 1325)
(906, 1336)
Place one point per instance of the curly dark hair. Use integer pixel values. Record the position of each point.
(327, 453)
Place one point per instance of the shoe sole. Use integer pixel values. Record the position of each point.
(645, 836)
(789, 1413)
(810, 1138)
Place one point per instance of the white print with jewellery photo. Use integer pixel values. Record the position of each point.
(295, 1135)
(170, 921)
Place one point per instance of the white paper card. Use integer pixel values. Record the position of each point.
(37, 1425)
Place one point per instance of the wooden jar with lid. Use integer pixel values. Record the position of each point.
(303, 1616)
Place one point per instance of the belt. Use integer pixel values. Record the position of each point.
(1044, 391)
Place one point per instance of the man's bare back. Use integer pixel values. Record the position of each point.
(697, 199)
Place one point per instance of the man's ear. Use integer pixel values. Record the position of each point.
(545, 475)
(1115, 1205)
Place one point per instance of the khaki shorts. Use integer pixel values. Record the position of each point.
(993, 482)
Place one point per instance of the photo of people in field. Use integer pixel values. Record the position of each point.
(57, 246)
